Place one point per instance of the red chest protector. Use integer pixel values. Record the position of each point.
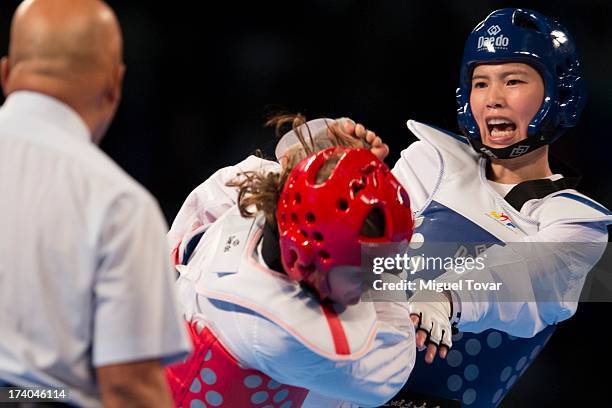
(213, 377)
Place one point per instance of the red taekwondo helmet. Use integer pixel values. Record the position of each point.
(320, 223)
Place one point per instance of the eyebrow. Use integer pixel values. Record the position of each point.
(502, 74)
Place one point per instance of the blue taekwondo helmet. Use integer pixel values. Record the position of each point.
(521, 35)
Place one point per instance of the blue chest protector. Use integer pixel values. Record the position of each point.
(480, 368)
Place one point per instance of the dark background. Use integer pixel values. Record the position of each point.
(203, 76)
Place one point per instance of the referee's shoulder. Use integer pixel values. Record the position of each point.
(107, 177)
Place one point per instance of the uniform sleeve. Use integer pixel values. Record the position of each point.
(369, 381)
(418, 170)
(136, 316)
(212, 198)
(541, 280)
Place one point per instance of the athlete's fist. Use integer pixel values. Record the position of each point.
(430, 313)
(370, 139)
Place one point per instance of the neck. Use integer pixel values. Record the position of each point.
(58, 89)
(531, 166)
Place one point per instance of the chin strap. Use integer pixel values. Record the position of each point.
(509, 152)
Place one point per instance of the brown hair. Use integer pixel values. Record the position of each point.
(262, 190)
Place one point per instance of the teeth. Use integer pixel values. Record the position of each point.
(499, 122)
(501, 132)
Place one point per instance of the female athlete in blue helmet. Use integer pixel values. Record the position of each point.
(492, 192)
(482, 191)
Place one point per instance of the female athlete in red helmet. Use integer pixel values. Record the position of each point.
(492, 192)
(271, 290)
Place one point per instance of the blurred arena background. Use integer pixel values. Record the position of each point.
(201, 81)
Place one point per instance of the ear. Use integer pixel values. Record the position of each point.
(5, 71)
(115, 85)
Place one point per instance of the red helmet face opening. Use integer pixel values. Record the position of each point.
(321, 223)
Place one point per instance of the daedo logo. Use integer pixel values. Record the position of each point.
(494, 41)
(493, 30)
(502, 219)
(519, 150)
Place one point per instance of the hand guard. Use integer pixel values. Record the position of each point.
(434, 312)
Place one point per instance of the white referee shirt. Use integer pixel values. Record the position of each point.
(85, 279)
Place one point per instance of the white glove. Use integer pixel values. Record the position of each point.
(434, 312)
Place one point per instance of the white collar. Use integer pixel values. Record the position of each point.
(48, 109)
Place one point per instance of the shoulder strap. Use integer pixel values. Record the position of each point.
(536, 189)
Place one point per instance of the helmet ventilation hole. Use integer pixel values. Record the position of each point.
(310, 217)
(357, 186)
(374, 224)
(292, 259)
(564, 95)
(525, 20)
(343, 204)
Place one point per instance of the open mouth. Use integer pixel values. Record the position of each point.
(501, 129)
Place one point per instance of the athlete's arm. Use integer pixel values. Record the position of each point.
(136, 384)
(541, 280)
